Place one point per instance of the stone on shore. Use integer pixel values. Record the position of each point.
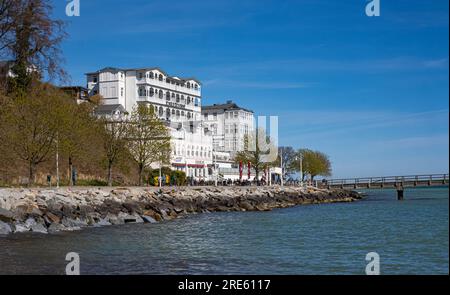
(5, 228)
(68, 209)
(6, 215)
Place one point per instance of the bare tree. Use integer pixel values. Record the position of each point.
(7, 7)
(254, 153)
(31, 38)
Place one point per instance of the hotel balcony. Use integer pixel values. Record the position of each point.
(169, 86)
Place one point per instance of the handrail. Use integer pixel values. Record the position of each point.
(387, 179)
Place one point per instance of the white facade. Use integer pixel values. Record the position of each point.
(177, 101)
(229, 124)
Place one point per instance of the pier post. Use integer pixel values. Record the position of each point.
(400, 193)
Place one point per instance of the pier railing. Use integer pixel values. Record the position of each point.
(387, 181)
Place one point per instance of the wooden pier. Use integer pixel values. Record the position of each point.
(393, 182)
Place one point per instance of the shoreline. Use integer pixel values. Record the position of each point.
(44, 210)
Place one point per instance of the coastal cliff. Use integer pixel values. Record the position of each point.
(66, 209)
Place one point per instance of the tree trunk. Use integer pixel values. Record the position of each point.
(31, 171)
(109, 173)
(141, 168)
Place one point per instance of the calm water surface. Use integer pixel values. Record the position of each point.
(411, 237)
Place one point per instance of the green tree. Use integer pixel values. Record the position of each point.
(148, 139)
(114, 142)
(29, 125)
(314, 163)
(78, 134)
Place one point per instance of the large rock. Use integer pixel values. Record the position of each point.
(53, 218)
(5, 228)
(148, 219)
(21, 227)
(6, 215)
(128, 218)
(39, 228)
(55, 227)
(102, 222)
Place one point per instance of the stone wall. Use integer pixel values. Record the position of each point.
(67, 209)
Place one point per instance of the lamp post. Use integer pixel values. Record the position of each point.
(57, 160)
(300, 159)
(281, 164)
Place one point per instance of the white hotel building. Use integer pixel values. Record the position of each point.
(229, 124)
(177, 101)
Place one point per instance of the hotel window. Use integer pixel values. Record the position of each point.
(196, 102)
(95, 79)
(182, 98)
(121, 91)
(113, 92)
(152, 91)
(236, 114)
(215, 116)
(160, 94)
(151, 75)
(160, 77)
(140, 75)
(178, 98)
(188, 100)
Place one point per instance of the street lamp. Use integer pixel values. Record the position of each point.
(300, 159)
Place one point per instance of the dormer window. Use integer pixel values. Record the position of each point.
(160, 77)
(151, 75)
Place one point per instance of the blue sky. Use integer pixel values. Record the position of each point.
(372, 93)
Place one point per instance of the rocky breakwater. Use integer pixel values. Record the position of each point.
(68, 209)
